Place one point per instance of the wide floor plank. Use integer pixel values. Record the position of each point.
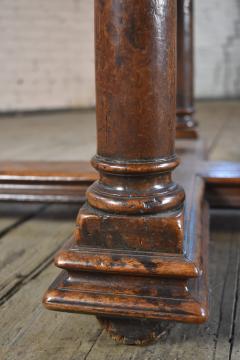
(54, 136)
(29, 331)
(13, 215)
(213, 118)
(227, 145)
(27, 248)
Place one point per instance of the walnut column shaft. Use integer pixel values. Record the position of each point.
(135, 77)
(185, 69)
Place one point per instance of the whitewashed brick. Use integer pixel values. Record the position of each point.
(47, 52)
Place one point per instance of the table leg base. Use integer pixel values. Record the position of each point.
(135, 331)
(136, 307)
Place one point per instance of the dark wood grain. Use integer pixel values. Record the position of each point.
(135, 227)
(96, 282)
(186, 123)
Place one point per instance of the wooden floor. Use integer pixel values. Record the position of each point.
(31, 234)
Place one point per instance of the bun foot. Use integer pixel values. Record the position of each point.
(135, 331)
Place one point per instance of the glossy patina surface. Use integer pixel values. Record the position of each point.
(133, 224)
(135, 76)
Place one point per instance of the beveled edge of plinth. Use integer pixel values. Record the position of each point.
(74, 257)
(190, 307)
(126, 262)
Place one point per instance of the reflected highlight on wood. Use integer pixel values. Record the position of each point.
(135, 227)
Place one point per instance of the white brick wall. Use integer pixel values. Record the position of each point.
(46, 54)
(217, 42)
(47, 58)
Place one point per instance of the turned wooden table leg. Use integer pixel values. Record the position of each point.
(130, 262)
(135, 82)
(186, 124)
